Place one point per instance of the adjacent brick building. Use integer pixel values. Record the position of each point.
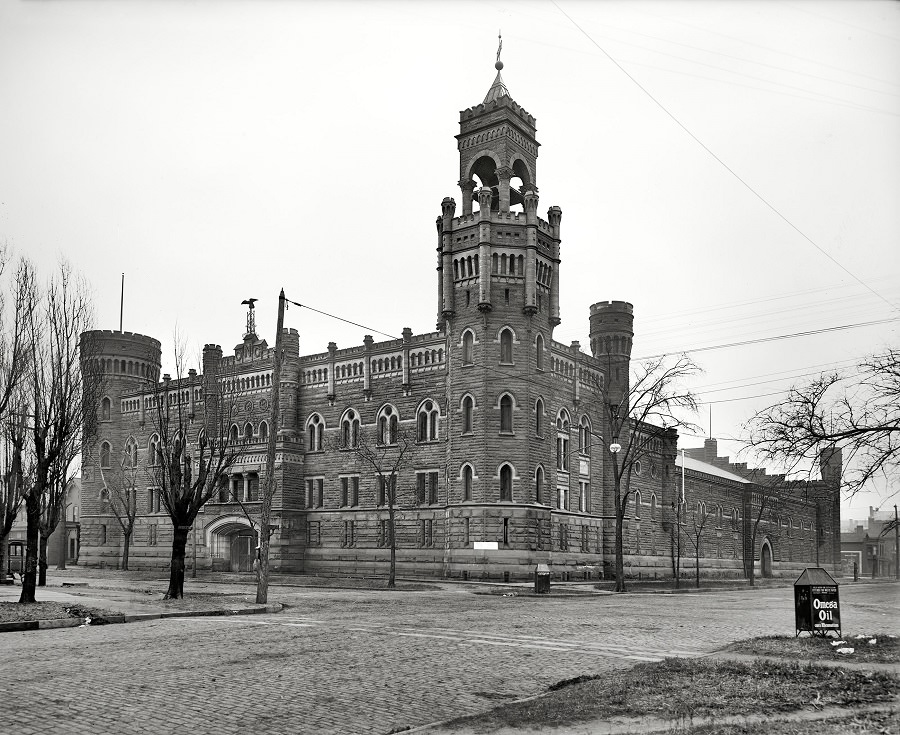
(508, 423)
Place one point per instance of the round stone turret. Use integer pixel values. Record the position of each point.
(134, 359)
(612, 329)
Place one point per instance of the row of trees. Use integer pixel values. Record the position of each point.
(42, 392)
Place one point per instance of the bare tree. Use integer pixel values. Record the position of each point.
(57, 393)
(14, 345)
(695, 535)
(386, 450)
(654, 400)
(858, 410)
(12, 480)
(675, 536)
(120, 492)
(192, 456)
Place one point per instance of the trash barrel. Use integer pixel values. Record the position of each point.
(542, 579)
(816, 604)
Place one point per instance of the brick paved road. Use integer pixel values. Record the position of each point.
(369, 662)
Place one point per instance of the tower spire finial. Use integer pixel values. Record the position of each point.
(499, 64)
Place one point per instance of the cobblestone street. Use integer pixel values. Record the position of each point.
(337, 661)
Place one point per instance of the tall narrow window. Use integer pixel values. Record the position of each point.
(105, 409)
(315, 430)
(539, 418)
(131, 454)
(539, 352)
(506, 345)
(506, 481)
(467, 482)
(506, 414)
(263, 432)
(350, 430)
(468, 347)
(388, 426)
(467, 410)
(105, 452)
(584, 435)
(427, 422)
(539, 485)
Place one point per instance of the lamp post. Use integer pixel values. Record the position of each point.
(614, 449)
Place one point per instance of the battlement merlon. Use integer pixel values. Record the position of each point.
(484, 115)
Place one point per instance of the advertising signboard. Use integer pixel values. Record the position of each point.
(816, 603)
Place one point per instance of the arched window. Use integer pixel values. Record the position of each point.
(427, 422)
(350, 430)
(506, 345)
(637, 504)
(584, 435)
(539, 352)
(468, 406)
(105, 452)
(506, 414)
(248, 432)
(468, 478)
(388, 424)
(105, 409)
(315, 432)
(506, 482)
(263, 431)
(562, 440)
(131, 454)
(233, 434)
(153, 451)
(653, 507)
(468, 347)
(539, 485)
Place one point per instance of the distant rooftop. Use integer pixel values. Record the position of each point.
(709, 469)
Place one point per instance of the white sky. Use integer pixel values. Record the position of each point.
(215, 151)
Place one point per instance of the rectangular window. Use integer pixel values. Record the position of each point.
(102, 534)
(466, 536)
(563, 537)
(584, 501)
(349, 533)
(151, 535)
(320, 489)
(381, 494)
(432, 488)
(383, 532)
(309, 493)
(354, 491)
(563, 497)
(584, 539)
(313, 533)
(506, 531)
(420, 488)
(345, 490)
(426, 532)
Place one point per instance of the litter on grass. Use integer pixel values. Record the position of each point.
(845, 650)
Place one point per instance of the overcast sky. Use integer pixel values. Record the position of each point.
(214, 151)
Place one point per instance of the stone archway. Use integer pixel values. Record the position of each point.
(232, 544)
(765, 559)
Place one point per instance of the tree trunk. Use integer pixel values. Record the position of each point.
(29, 578)
(63, 543)
(176, 573)
(620, 553)
(3, 560)
(393, 571)
(697, 566)
(126, 546)
(42, 561)
(262, 561)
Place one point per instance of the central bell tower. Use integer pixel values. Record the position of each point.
(498, 257)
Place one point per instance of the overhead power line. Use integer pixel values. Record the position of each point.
(838, 328)
(746, 185)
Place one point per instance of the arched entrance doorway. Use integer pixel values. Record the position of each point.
(232, 544)
(765, 559)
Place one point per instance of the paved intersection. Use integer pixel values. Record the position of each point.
(369, 662)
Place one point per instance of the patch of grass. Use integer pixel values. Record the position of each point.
(689, 688)
(886, 649)
(11, 612)
(883, 723)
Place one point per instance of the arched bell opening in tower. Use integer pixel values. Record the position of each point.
(484, 174)
(519, 183)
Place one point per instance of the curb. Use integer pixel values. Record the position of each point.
(25, 625)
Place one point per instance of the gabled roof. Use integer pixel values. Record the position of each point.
(498, 89)
(695, 465)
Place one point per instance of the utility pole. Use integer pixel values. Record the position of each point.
(262, 584)
(896, 545)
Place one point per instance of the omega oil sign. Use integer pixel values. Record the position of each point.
(816, 603)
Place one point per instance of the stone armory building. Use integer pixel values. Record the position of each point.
(508, 467)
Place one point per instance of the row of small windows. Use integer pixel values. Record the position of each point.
(465, 267)
(379, 365)
(250, 382)
(126, 367)
(544, 273)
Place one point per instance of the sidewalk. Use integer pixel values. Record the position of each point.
(130, 599)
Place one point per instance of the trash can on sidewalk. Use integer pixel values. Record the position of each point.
(542, 579)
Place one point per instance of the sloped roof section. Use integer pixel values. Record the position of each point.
(498, 89)
(709, 469)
